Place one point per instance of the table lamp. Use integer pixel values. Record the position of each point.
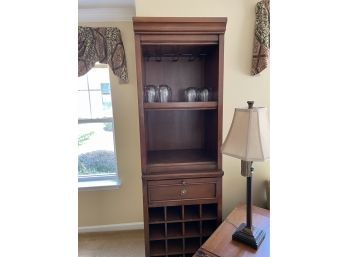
(248, 140)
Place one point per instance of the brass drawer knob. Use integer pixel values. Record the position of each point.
(183, 192)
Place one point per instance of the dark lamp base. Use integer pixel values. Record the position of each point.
(252, 237)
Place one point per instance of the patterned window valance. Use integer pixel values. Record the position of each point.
(262, 38)
(102, 45)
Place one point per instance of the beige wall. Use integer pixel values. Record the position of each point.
(239, 86)
(125, 204)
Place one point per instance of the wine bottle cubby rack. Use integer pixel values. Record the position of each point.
(180, 230)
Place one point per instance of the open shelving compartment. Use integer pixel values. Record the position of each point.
(157, 231)
(192, 228)
(158, 248)
(174, 213)
(192, 244)
(174, 230)
(208, 227)
(180, 67)
(179, 139)
(156, 214)
(192, 212)
(175, 246)
(181, 135)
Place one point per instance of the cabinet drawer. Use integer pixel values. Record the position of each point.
(174, 190)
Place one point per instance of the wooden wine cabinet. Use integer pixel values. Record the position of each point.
(180, 141)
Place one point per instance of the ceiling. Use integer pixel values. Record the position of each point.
(88, 4)
(106, 10)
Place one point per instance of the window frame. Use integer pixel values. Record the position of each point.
(108, 181)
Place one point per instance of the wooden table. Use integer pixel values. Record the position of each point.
(220, 243)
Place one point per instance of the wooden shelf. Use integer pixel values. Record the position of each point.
(179, 157)
(181, 106)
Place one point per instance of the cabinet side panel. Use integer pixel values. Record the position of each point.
(220, 97)
(146, 219)
(140, 79)
(219, 200)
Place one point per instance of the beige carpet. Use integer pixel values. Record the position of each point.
(112, 244)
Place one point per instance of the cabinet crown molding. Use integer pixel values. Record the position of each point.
(182, 25)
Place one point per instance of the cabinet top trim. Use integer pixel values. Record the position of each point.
(197, 25)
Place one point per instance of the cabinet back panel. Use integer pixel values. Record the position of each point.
(177, 75)
(171, 130)
(210, 132)
(211, 67)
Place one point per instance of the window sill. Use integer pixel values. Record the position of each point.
(99, 184)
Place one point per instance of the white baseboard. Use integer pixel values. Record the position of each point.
(112, 227)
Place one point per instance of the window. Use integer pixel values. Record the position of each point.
(97, 163)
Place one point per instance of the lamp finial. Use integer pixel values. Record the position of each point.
(250, 104)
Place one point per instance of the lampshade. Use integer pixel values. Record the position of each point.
(248, 138)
